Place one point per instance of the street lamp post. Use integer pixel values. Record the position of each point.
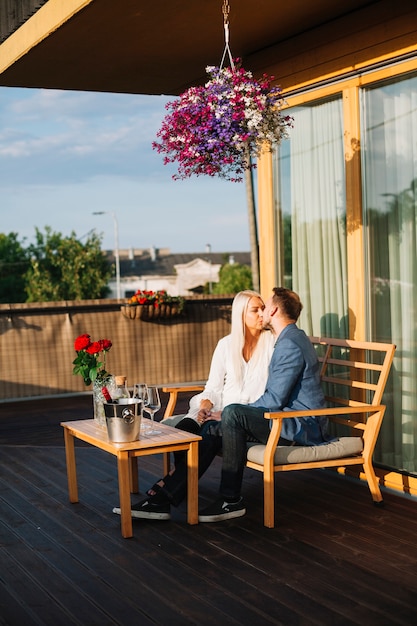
(116, 246)
(208, 251)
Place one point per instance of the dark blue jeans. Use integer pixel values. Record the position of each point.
(240, 424)
(175, 488)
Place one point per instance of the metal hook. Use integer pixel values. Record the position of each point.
(226, 11)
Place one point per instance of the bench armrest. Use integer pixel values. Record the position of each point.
(363, 408)
(370, 428)
(173, 395)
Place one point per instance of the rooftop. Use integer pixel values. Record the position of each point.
(155, 262)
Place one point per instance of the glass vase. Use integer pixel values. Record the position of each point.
(98, 398)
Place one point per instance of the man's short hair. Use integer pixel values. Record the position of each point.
(289, 302)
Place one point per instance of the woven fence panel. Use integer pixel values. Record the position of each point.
(37, 344)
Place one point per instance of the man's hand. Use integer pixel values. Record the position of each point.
(205, 416)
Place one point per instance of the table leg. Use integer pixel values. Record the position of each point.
(134, 478)
(123, 468)
(71, 468)
(167, 463)
(192, 484)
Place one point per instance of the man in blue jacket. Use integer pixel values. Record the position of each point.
(293, 385)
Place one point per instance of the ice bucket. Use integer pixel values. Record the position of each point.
(123, 419)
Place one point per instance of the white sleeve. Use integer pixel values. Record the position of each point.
(213, 389)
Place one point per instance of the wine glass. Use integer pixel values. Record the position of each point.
(152, 404)
(140, 391)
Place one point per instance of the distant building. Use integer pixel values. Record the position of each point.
(181, 274)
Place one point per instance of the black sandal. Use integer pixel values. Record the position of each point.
(156, 488)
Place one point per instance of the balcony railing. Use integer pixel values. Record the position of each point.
(37, 344)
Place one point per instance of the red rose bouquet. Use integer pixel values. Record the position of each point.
(90, 361)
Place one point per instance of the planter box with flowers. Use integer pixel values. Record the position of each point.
(153, 305)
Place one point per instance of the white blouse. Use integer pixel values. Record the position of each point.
(223, 388)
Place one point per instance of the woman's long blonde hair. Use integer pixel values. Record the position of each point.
(239, 308)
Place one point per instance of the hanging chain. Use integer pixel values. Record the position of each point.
(226, 11)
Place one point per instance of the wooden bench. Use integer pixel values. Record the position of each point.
(354, 375)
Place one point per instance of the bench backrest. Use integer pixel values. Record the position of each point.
(353, 372)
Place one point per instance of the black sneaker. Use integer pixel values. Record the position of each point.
(147, 509)
(221, 510)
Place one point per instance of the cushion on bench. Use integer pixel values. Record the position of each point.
(172, 421)
(343, 447)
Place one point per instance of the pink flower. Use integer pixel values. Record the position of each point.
(213, 129)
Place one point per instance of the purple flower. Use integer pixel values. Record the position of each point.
(215, 128)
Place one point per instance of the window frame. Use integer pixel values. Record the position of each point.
(349, 88)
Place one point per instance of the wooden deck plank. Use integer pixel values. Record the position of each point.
(11, 604)
(333, 557)
(292, 574)
(160, 572)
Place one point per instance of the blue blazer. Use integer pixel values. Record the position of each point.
(293, 385)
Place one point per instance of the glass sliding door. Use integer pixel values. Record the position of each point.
(309, 190)
(389, 166)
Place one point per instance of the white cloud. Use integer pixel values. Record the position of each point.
(66, 154)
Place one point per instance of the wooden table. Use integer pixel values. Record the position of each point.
(168, 440)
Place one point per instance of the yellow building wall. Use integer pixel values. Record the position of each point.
(340, 58)
(333, 59)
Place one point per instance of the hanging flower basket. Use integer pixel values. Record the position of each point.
(153, 305)
(217, 129)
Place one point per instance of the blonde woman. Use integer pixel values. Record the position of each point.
(239, 366)
(238, 374)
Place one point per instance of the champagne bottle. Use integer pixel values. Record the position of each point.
(121, 391)
(106, 395)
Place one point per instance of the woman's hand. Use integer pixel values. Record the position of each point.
(206, 404)
(205, 410)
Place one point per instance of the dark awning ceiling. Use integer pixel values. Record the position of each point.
(150, 47)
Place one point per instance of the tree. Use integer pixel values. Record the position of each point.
(63, 268)
(233, 278)
(14, 262)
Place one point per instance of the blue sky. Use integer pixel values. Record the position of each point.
(64, 155)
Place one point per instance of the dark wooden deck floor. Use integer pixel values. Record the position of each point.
(333, 557)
